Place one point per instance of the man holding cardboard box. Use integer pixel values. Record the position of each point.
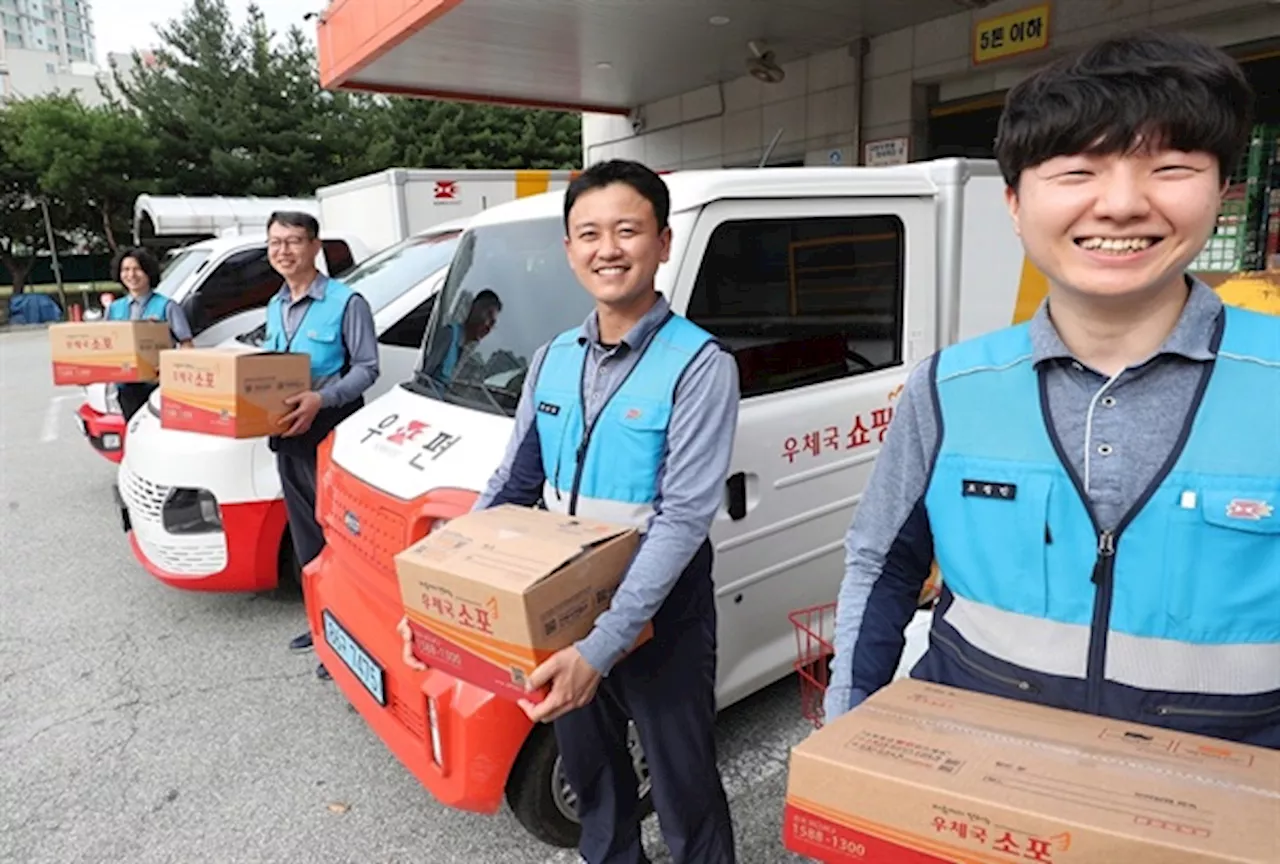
(139, 272)
(632, 358)
(1099, 486)
(315, 315)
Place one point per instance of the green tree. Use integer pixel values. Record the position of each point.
(436, 134)
(95, 160)
(22, 232)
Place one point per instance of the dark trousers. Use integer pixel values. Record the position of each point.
(298, 482)
(668, 688)
(133, 397)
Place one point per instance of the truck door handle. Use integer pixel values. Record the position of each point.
(737, 486)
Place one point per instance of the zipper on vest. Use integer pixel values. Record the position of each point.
(955, 651)
(1178, 711)
(1104, 568)
(1104, 572)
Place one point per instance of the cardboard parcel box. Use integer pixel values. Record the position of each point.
(107, 352)
(921, 773)
(228, 391)
(494, 593)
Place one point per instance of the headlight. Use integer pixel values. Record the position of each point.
(191, 511)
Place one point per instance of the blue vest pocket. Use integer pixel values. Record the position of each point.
(1002, 534)
(630, 448)
(1224, 567)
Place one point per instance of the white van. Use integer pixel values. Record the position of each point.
(828, 284)
(206, 513)
(223, 286)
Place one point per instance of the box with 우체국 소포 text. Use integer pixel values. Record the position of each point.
(492, 594)
(107, 352)
(925, 774)
(229, 392)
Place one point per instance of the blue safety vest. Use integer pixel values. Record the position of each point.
(1173, 617)
(154, 309)
(320, 332)
(610, 470)
(451, 354)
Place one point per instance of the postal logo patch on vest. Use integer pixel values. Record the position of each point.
(1242, 508)
(988, 489)
(548, 408)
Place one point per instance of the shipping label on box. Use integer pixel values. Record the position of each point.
(229, 392)
(107, 352)
(922, 773)
(494, 593)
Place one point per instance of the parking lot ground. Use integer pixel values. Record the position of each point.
(142, 724)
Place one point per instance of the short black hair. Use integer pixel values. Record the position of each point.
(639, 177)
(296, 219)
(1143, 88)
(486, 298)
(145, 260)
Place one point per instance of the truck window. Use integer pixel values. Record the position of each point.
(802, 301)
(244, 281)
(409, 330)
(509, 291)
(338, 258)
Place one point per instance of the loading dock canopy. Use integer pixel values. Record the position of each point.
(586, 55)
(214, 216)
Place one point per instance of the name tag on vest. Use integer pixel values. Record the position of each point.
(548, 408)
(988, 489)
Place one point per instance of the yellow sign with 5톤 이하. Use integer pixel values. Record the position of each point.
(1008, 35)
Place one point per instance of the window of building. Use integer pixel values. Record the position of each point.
(802, 301)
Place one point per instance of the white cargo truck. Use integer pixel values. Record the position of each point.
(387, 207)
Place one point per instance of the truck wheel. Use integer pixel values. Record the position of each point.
(540, 797)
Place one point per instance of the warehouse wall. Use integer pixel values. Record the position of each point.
(816, 106)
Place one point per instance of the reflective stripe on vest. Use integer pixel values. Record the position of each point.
(1187, 596)
(320, 332)
(631, 428)
(153, 310)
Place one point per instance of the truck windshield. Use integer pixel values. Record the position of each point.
(396, 269)
(509, 291)
(177, 268)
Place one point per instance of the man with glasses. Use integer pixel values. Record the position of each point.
(324, 318)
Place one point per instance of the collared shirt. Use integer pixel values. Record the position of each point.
(179, 327)
(700, 440)
(359, 335)
(1117, 432)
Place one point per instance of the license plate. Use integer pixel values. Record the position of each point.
(364, 667)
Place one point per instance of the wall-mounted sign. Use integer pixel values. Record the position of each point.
(887, 151)
(1009, 35)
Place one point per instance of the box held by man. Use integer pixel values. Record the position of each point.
(107, 352)
(228, 391)
(921, 773)
(494, 593)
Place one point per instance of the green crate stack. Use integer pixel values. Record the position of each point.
(1239, 242)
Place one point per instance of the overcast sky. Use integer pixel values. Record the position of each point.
(125, 25)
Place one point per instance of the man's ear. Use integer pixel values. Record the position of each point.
(665, 236)
(1011, 201)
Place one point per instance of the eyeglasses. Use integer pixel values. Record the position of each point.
(275, 244)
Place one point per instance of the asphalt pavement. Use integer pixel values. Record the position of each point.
(143, 724)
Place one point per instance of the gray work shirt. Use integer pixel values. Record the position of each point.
(179, 327)
(700, 439)
(359, 335)
(1116, 431)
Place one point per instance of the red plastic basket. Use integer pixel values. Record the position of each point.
(814, 629)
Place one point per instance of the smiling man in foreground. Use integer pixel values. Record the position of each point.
(1099, 486)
